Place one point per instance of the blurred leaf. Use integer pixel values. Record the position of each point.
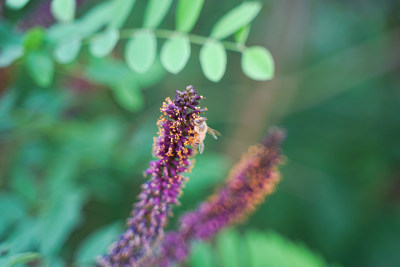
(103, 43)
(228, 245)
(202, 255)
(97, 243)
(54, 262)
(257, 63)
(150, 77)
(34, 39)
(188, 11)
(25, 235)
(242, 34)
(155, 12)
(91, 22)
(16, 4)
(175, 53)
(95, 18)
(209, 171)
(120, 12)
(140, 51)
(237, 18)
(7, 102)
(273, 250)
(68, 50)
(40, 67)
(20, 258)
(61, 219)
(128, 95)
(23, 183)
(9, 54)
(108, 71)
(63, 10)
(11, 210)
(213, 60)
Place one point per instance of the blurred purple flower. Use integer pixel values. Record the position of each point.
(250, 181)
(161, 192)
(41, 15)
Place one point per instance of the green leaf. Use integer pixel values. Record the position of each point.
(271, 249)
(188, 11)
(20, 258)
(140, 51)
(175, 53)
(228, 244)
(235, 19)
(25, 235)
(11, 209)
(95, 19)
(257, 63)
(201, 256)
(61, 219)
(155, 12)
(16, 4)
(40, 67)
(9, 54)
(34, 39)
(242, 34)
(97, 243)
(128, 96)
(120, 10)
(213, 60)
(63, 10)
(68, 50)
(102, 44)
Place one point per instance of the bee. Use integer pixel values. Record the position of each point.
(201, 129)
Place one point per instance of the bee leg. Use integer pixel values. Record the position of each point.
(201, 147)
(213, 133)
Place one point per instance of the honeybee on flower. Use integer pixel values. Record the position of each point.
(201, 128)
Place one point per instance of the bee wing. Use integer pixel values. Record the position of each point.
(213, 132)
(201, 147)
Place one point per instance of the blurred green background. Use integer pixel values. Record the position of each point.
(72, 153)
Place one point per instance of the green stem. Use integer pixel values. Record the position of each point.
(193, 38)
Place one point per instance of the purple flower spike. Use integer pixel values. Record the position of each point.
(150, 215)
(250, 181)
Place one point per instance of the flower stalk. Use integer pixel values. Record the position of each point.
(173, 150)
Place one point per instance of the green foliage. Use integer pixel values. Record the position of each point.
(175, 53)
(258, 250)
(34, 39)
(236, 19)
(16, 4)
(213, 60)
(97, 243)
(103, 43)
(258, 63)
(155, 12)
(64, 41)
(68, 50)
(9, 54)
(123, 8)
(140, 51)
(128, 95)
(19, 258)
(41, 67)
(187, 14)
(63, 10)
(242, 34)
